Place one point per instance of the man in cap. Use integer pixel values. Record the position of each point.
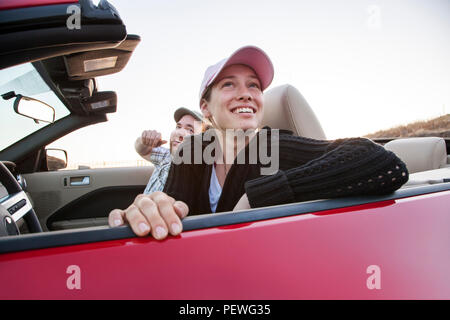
(148, 145)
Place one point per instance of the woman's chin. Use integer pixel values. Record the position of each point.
(248, 124)
(243, 123)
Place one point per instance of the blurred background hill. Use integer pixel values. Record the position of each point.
(439, 127)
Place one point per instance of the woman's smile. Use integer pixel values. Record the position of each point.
(244, 110)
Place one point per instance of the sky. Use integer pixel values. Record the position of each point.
(362, 65)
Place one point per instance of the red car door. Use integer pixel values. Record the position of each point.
(391, 249)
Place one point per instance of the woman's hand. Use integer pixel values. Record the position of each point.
(156, 213)
(242, 204)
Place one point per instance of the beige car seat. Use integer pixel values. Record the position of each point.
(420, 154)
(285, 108)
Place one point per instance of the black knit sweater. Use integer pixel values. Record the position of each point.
(308, 169)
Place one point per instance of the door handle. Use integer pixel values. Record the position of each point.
(80, 181)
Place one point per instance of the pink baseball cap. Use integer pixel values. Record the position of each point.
(250, 56)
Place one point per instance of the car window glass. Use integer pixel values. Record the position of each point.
(24, 80)
(86, 145)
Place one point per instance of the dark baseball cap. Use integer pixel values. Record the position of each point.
(181, 112)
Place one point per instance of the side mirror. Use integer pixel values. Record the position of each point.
(34, 109)
(56, 159)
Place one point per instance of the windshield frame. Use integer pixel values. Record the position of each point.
(17, 127)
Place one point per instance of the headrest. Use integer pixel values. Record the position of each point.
(285, 108)
(420, 154)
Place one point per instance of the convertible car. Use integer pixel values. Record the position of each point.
(54, 239)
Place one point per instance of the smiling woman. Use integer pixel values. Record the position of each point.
(308, 169)
(227, 113)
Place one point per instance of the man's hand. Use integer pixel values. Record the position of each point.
(156, 213)
(152, 138)
(148, 140)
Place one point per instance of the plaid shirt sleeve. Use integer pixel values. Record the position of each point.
(162, 160)
(160, 156)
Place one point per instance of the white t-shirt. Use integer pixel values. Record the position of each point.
(215, 190)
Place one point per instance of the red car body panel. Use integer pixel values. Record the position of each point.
(325, 255)
(16, 4)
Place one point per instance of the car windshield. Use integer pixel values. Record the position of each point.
(24, 80)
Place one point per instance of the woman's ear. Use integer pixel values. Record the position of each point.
(204, 108)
